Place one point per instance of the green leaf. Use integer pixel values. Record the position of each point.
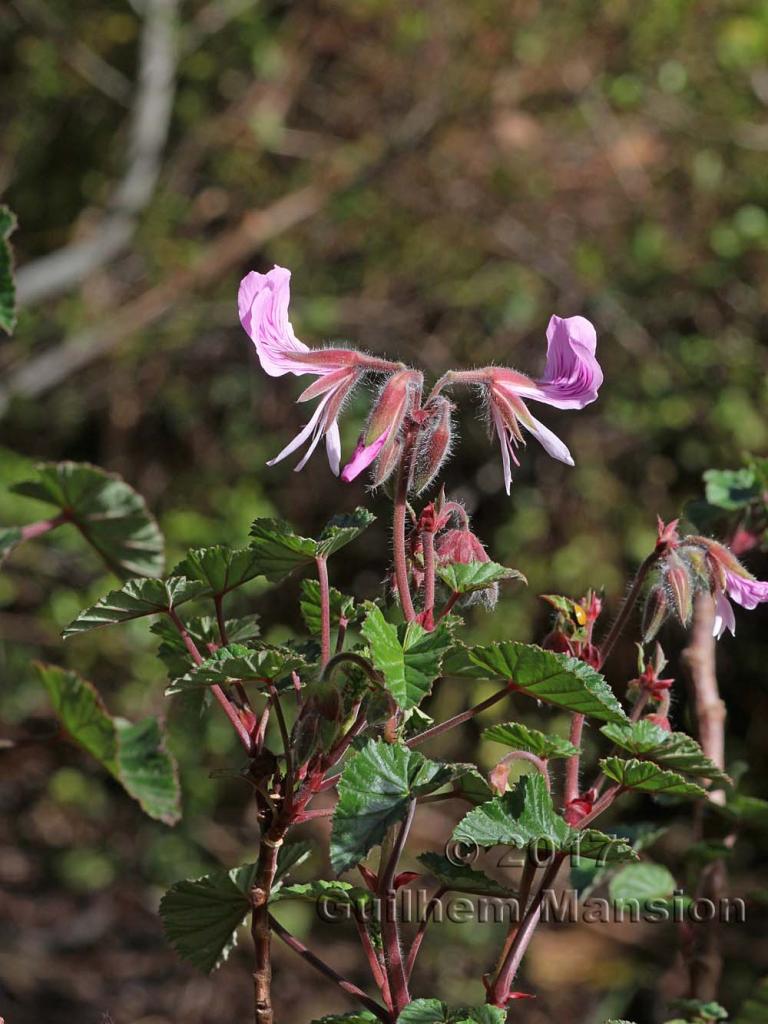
(290, 856)
(748, 811)
(341, 606)
(318, 892)
(133, 600)
(110, 515)
(9, 538)
(649, 778)
(135, 755)
(461, 877)
(730, 489)
(342, 529)
(408, 657)
(201, 916)
(434, 1011)
(278, 549)
(7, 286)
(220, 567)
(467, 577)
(556, 678)
(261, 664)
(203, 630)
(82, 712)
(526, 817)
(375, 789)
(674, 750)
(641, 882)
(147, 770)
(521, 737)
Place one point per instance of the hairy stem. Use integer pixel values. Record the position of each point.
(398, 541)
(284, 735)
(539, 763)
(261, 924)
(629, 603)
(526, 882)
(325, 610)
(428, 544)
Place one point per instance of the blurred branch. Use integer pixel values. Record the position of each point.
(350, 165)
(150, 119)
(85, 61)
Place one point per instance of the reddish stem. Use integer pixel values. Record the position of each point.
(379, 976)
(390, 933)
(463, 716)
(573, 764)
(32, 530)
(216, 690)
(428, 545)
(325, 609)
(398, 541)
(448, 606)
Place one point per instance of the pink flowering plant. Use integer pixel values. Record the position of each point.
(338, 726)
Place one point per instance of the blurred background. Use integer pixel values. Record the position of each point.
(440, 177)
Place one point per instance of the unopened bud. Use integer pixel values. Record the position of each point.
(433, 443)
(460, 545)
(498, 777)
(656, 611)
(677, 581)
(661, 720)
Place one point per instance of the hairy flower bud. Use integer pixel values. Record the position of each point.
(381, 437)
(433, 443)
(655, 612)
(679, 586)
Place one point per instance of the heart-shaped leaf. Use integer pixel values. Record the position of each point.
(556, 678)
(110, 515)
(134, 600)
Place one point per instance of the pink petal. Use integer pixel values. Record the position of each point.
(314, 426)
(333, 447)
(501, 431)
(572, 376)
(263, 306)
(363, 456)
(744, 590)
(550, 442)
(724, 616)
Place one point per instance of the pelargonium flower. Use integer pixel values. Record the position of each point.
(380, 438)
(572, 379)
(263, 301)
(731, 580)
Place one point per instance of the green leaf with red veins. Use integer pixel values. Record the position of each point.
(467, 577)
(555, 678)
(111, 516)
(676, 751)
(135, 755)
(408, 657)
(236, 661)
(647, 777)
(375, 789)
(521, 737)
(135, 600)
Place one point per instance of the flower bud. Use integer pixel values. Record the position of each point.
(678, 585)
(381, 437)
(661, 720)
(498, 777)
(460, 545)
(433, 442)
(655, 612)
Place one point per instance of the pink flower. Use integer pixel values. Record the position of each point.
(384, 425)
(263, 306)
(572, 379)
(745, 590)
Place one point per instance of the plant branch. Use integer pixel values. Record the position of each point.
(629, 603)
(428, 545)
(325, 610)
(329, 972)
(390, 933)
(573, 764)
(398, 541)
(463, 716)
(32, 530)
